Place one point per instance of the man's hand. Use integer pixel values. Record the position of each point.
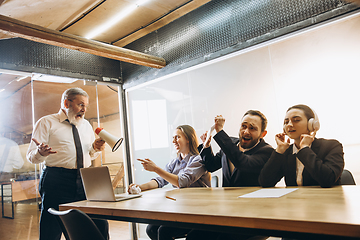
(43, 149)
(148, 164)
(219, 123)
(203, 139)
(99, 145)
(282, 145)
(306, 140)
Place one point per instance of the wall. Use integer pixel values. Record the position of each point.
(318, 67)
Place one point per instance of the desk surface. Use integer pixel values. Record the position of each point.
(310, 210)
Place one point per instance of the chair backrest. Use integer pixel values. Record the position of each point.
(347, 178)
(76, 225)
(214, 181)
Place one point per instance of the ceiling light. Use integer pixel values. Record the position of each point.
(51, 78)
(117, 18)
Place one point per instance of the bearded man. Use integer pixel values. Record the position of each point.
(241, 159)
(65, 141)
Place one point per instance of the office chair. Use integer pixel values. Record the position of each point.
(214, 181)
(347, 178)
(76, 225)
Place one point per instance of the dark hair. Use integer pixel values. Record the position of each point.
(261, 115)
(306, 109)
(191, 136)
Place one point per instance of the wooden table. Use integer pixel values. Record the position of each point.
(309, 212)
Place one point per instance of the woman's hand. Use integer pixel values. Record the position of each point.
(131, 185)
(306, 140)
(282, 145)
(148, 165)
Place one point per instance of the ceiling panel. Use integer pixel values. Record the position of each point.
(46, 13)
(141, 16)
(82, 16)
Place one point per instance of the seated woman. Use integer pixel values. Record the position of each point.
(309, 161)
(186, 170)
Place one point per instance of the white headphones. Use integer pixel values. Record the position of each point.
(314, 123)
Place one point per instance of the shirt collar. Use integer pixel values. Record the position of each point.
(186, 159)
(296, 150)
(62, 115)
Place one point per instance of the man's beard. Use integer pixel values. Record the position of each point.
(248, 144)
(72, 117)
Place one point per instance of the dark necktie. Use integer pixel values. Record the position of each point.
(79, 152)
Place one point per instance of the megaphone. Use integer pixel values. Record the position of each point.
(113, 141)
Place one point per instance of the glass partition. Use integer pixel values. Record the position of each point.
(18, 177)
(25, 101)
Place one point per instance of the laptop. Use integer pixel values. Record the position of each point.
(98, 186)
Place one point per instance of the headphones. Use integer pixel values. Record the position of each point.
(313, 123)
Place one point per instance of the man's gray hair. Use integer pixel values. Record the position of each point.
(71, 94)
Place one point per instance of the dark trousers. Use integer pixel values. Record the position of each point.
(161, 232)
(58, 186)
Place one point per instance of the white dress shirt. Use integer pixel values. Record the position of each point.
(54, 131)
(299, 167)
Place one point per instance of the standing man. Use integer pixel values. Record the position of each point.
(241, 159)
(65, 141)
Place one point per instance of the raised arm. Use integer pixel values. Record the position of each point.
(247, 162)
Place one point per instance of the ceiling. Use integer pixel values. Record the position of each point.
(130, 19)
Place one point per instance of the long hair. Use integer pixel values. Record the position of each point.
(191, 136)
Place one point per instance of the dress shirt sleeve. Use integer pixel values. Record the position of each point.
(93, 153)
(245, 162)
(273, 171)
(40, 133)
(192, 172)
(169, 168)
(327, 169)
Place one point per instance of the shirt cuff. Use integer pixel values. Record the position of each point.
(38, 158)
(92, 151)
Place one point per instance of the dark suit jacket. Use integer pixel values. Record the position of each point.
(323, 165)
(247, 164)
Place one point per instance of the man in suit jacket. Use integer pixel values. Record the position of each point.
(241, 159)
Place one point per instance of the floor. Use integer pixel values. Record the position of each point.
(25, 225)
